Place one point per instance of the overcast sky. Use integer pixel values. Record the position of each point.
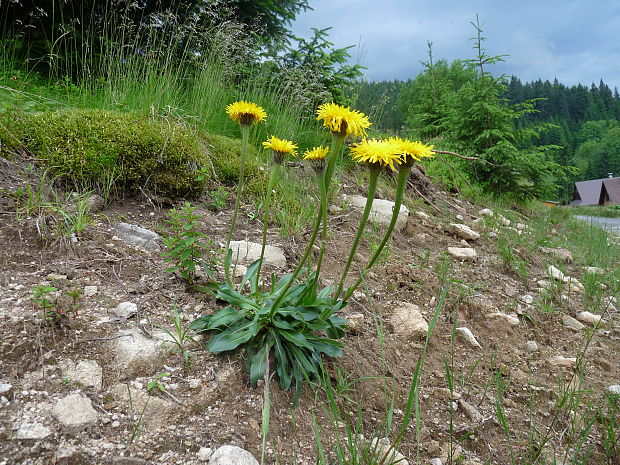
(577, 41)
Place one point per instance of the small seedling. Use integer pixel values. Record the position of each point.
(219, 199)
(156, 384)
(180, 336)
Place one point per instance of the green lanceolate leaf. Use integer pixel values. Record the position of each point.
(233, 337)
(225, 317)
(201, 323)
(325, 292)
(228, 294)
(327, 346)
(296, 338)
(282, 366)
(303, 361)
(258, 364)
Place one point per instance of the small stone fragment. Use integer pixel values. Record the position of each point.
(554, 273)
(462, 253)
(561, 361)
(594, 270)
(512, 320)
(204, 454)
(559, 253)
(531, 347)
(467, 336)
(126, 310)
(408, 322)
(90, 291)
(471, 411)
(422, 215)
(75, 412)
(136, 236)
(246, 252)
(587, 317)
(485, 212)
(464, 232)
(614, 389)
(355, 322)
(32, 431)
(232, 455)
(572, 323)
(381, 211)
(85, 372)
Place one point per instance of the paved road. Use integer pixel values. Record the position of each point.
(612, 224)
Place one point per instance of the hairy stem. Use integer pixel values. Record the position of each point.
(372, 187)
(403, 175)
(245, 135)
(272, 181)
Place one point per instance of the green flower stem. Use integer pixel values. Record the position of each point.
(403, 175)
(245, 136)
(272, 181)
(323, 194)
(334, 153)
(317, 225)
(374, 171)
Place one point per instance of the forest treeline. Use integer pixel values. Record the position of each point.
(579, 122)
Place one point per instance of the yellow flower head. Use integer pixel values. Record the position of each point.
(377, 152)
(246, 113)
(412, 151)
(280, 148)
(317, 153)
(342, 120)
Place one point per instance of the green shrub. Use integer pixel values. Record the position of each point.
(94, 148)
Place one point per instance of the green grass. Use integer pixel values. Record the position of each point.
(607, 212)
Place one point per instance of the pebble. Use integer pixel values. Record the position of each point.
(485, 212)
(355, 322)
(462, 253)
(572, 323)
(531, 346)
(614, 389)
(588, 317)
(90, 291)
(467, 336)
(554, 273)
(204, 454)
(126, 310)
(562, 361)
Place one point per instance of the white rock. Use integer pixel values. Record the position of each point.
(471, 411)
(139, 237)
(544, 283)
(355, 322)
(462, 253)
(436, 461)
(5, 388)
(90, 291)
(465, 232)
(614, 389)
(492, 234)
(588, 317)
(204, 454)
(554, 273)
(381, 211)
(527, 298)
(531, 347)
(422, 215)
(575, 286)
(85, 372)
(379, 448)
(594, 270)
(503, 220)
(561, 361)
(75, 412)
(485, 212)
(126, 310)
(136, 353)
(232, 455)
(32, 431)
(408, 322)
(246, 252)
(511, 319)
(467, 336)
(559, 253)
(521, 226)
(569, 321)
(240, 271)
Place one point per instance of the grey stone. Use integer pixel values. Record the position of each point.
(594, 270)
(462, 253)
(5, 389)
(572, 323)
(614, 389)
(554, 273)
(126, 310)
(32, 431)
(232, 455)
(471, 411)
(158, 412)
(247, 252)
(436, 461)
(485, 212)
(465, 232)
(531, 347)
(75, 412)
(466, 335)
(587, 317)
(204, 454)
(85, 372)
(381, 211)
(90, 291)
(408, 322)
(128, 461)
(138, 237)
(559, 253)
(512, 320)
(355, 323)
(503, 220)
(561, 361)
(134, 352)
(423, 216)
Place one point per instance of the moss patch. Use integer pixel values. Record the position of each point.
(97, 148)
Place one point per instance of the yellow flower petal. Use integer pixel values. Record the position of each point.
(343, 120)
(316, 153)
(412, 151)
(246, 112)
(375, 151)
(281, 146)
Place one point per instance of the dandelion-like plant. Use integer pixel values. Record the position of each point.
(246, 114)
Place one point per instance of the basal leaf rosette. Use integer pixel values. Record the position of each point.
(343, 121)
(246, 113)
